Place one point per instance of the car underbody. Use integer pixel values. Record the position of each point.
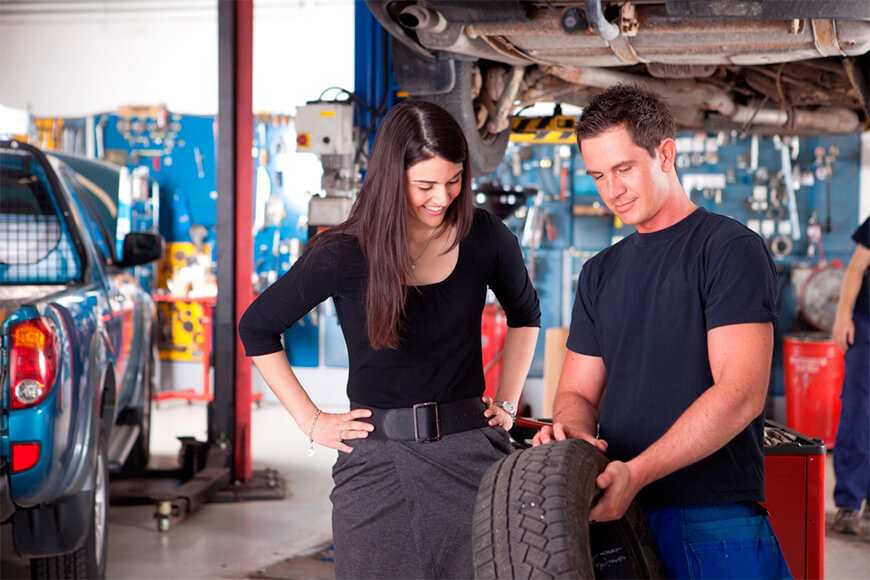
(771, 67)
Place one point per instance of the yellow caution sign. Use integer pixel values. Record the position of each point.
(557, 129)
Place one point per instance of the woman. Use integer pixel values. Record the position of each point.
(408, 272)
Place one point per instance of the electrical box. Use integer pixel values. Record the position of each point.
(325, 212)
(325, 128)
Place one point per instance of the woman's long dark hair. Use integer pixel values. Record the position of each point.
(411, 131)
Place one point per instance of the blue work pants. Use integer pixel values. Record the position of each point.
(852, 445)
(724, 541)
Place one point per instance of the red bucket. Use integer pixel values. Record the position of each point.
(813, 366)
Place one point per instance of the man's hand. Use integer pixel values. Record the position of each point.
(843, 332)
(560, 432)
(844, 329)
(619, 486)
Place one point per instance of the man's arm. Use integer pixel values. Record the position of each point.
(577, 400)
(844, 328)
(740, 357)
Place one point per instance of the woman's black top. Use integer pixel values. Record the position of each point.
(439, 355)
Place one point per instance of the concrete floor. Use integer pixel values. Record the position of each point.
(256, 538)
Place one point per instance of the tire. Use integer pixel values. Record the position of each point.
(140, 454)
(90, 560)
(531, 520)
(485, 149)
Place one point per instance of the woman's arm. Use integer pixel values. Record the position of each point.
(329, 429)
(519, 349)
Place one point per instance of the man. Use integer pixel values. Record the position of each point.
(852, 334)
(669, 352)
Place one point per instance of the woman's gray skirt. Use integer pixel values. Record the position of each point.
(403, 509)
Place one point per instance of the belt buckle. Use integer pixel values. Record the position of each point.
(437, 421)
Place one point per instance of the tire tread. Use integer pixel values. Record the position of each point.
(532, 512)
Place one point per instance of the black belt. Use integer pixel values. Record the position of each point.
(425, 422)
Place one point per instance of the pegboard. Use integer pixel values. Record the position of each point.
(179, 153)
(723, 173)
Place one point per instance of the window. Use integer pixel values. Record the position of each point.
(98, 212)
(35, 244)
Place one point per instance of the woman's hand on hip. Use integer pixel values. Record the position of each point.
(333, 429)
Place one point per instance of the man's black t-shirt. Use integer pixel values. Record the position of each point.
(862, 301)
(439, 357)
(645, 305)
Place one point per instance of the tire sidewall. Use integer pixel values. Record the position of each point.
(97, 544)
(485, 151)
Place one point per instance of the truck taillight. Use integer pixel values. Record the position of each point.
(33, 361)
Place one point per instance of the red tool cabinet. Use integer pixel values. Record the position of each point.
(795, 491)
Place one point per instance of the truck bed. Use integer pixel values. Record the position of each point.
(13, 296)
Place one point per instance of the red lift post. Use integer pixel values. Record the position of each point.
(230, 411)
(221, 470)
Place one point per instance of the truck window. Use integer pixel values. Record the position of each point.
(35, 244)
(98, 213)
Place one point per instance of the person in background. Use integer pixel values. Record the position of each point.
(669, 353)
(851, 332)
(408, 272)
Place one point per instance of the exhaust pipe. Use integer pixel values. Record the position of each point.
(418, 17)
(692, 93)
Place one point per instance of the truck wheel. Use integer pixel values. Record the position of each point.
(531, 520)
(90, 560)
(137, 461)
(485, 149)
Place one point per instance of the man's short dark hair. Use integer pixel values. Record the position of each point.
(640, 110)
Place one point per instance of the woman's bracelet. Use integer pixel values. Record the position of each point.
(310, 451)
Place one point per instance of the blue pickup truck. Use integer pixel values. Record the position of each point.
(77, 360)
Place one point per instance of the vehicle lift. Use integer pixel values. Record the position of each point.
(220, 469)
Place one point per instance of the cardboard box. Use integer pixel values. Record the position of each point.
(554, 357)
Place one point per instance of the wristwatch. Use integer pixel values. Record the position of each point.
(509, 407)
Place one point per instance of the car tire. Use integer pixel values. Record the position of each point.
(485, 149)
(531, 520)
(90, 560)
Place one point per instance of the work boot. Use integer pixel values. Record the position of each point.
(846, 521)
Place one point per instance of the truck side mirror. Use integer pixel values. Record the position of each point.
(141, 248)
